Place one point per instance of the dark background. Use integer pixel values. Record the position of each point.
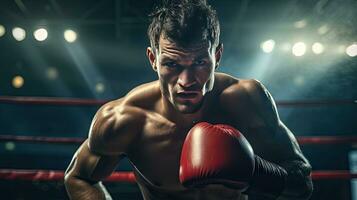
(110, 51)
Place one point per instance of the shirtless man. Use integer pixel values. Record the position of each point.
(149, 125)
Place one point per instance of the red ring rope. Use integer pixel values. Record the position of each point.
(54, 175)
(303, 140)
(40, 139)
(51, 101)
(93, 102)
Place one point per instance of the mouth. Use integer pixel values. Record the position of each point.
(188, 95)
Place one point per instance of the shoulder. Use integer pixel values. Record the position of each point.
(229, 85)
(144, 96)
(246, 90)
(118, 123)
(258, 95)
(250, 96)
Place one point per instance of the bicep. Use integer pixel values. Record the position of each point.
(114, 129)
(286, 146)
(282, 148)
(278, 145)
(276, 140)
(273, 141)
(91, 166)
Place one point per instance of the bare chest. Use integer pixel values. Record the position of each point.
(156, 155)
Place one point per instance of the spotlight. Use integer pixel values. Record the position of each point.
(352, 50)
(317, 48)
(52, 73)
(323, 29)
(300, 24)
(99, 87)
(2, 30)
(18, 33)
(18, 81)
(70, 35)
(299, 49)
(10, 146)
(299, 80)
(40, 34)
(267, 46)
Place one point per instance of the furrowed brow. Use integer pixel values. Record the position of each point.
(167, 59)
(202, 56)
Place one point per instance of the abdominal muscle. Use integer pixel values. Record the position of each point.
(210, 192)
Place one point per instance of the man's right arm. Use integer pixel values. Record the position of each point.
(110, 136)
(86, 170)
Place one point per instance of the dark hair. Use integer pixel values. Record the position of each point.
(184, 22)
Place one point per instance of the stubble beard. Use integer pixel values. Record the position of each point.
(187, 108)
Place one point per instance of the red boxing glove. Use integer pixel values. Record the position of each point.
(216, 154)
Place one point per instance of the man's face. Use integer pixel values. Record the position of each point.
(185, 74)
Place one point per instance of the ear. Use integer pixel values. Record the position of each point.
(219, 52)
(152, 58)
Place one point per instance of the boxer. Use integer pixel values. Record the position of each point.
(194, 133)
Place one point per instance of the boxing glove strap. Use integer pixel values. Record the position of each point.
(268, 179)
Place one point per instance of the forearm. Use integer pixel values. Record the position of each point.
(268, 180)
(79, 189)
(288, 181)
(298, 184)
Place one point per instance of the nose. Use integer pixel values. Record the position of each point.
(186, 78)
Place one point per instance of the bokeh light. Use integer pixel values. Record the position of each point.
(299, 49)
(18, 33)
(51, 73)
(268, 46)
(18, 81)
(323, 29)
(40, 34)
(10, 146)
(99, 87)
(70, 35)
(317, 48)
(2, 30)
(352, 50)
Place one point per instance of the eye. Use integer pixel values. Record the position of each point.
(199, 62)
(171, 64)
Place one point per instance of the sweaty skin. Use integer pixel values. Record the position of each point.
(150, 123)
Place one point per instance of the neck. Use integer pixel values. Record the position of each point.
(182, 119)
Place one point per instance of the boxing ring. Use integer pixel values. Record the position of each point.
(128, 177)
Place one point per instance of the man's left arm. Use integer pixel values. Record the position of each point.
(276, 146)
(298, 183)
